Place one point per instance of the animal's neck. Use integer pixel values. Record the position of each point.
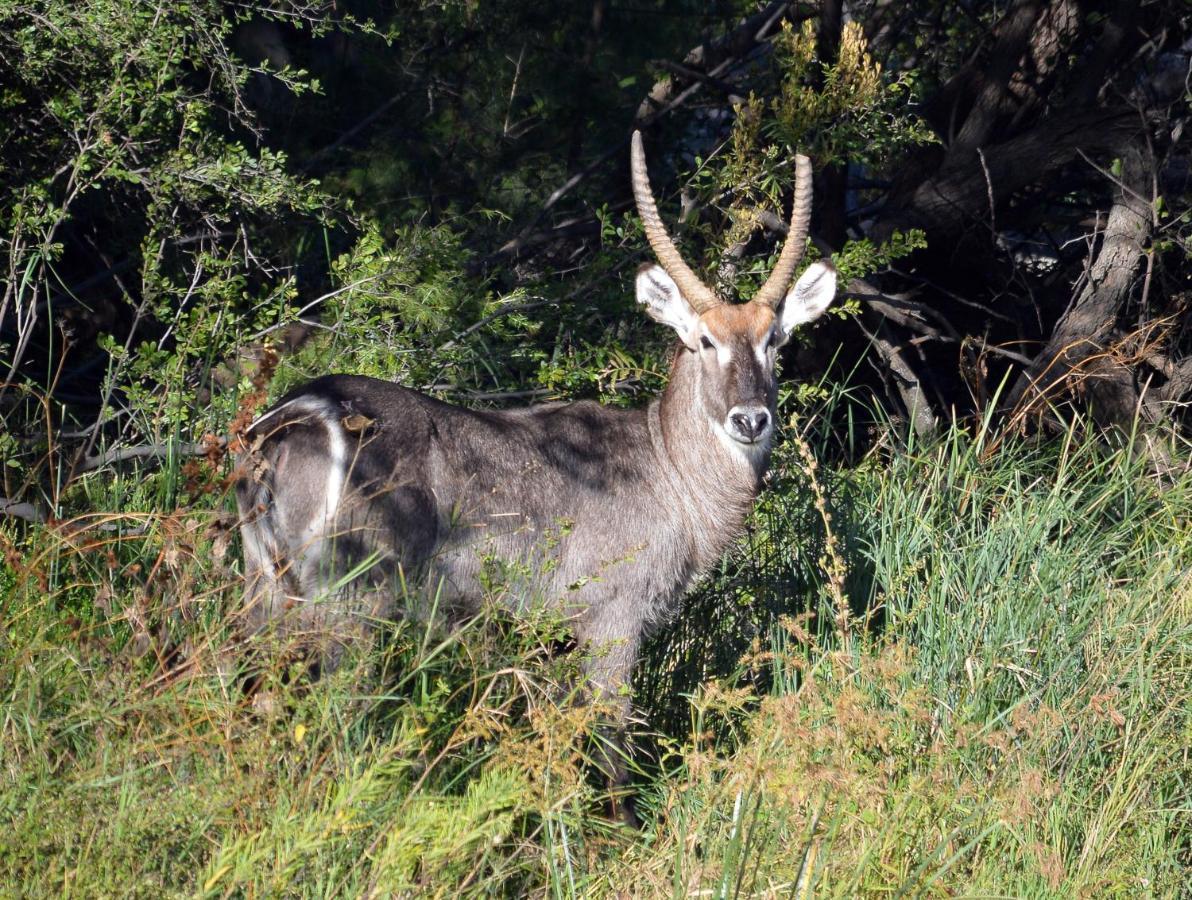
(716, 478)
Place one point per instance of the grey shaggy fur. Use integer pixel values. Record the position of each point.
(615, 511)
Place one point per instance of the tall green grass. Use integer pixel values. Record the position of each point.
(1005, 711)
(1018, 725)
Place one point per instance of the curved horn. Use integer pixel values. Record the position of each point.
(772, 292)
(699, 295)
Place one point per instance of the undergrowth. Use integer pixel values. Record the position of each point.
(1003, 710)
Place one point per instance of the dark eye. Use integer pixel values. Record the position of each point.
(773, 340)
(705, 343)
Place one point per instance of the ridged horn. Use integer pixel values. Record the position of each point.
(772, 292)
(699, 295)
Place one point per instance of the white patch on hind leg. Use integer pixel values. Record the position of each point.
(320, 527)
(337, 448)
(305, 406)
(273, 412)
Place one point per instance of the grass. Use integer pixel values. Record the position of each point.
(1005, 711)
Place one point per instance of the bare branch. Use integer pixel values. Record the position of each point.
(18, 510)
(146, 451)
(923, 417)
(729, 90)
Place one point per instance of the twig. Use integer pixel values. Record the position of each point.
(517, 66)
(952, 295)
(989, 190)
(322, 298)
(902, 310)
(1117, 182)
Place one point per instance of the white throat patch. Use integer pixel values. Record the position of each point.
(751, 453)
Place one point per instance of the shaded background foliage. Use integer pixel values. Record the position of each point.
(436, 192)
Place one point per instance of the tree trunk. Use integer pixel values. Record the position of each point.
(1084, 355)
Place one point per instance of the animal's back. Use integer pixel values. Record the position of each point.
(385, 489)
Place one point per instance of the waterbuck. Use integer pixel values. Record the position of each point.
(353, 488)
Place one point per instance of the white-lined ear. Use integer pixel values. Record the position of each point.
(664, 303)
(809, 298)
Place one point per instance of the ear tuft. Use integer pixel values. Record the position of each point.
(810, 297)
(664, 303)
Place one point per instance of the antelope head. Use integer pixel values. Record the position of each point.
(735, 344)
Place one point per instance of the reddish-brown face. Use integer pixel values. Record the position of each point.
(737, 346)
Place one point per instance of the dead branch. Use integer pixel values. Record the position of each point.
(146, 451)
(19, 510)
(923, 417)
(1179, 382)
(919, 409)
(729, 90)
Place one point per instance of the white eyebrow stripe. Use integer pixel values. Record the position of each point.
(760, 350)
(724, 353)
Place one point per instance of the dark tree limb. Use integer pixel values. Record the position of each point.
(1009, 75)
(1004, 90)
(994, 95)
(959, 194)
(830, 193)
(711, 56)
(1116, 35)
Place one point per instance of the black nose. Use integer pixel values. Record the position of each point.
(751, 423)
